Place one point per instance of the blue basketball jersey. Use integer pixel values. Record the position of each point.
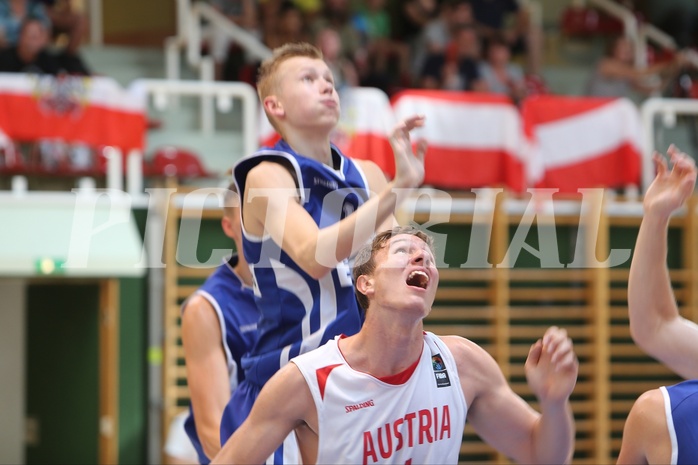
(300, 313)
(681, 406)
(238, 316)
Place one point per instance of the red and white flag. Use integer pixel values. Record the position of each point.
(474, 139)
(92, 110)
(582, 142)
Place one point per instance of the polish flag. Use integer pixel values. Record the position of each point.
(365, 121)
(474, 139)
(581, 142)
(92, 110)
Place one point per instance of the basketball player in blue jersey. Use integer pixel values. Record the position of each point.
(219, 325)
(662, 426)
(306, 210)
(394, 393)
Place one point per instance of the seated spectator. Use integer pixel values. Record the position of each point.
(499, 74)
(458, 67)
(13, 12)
(343, 70)
(243, 13)
(337, 15)
(31, 54)
(65, 20)
(616, 75)
(494, 17)
(437, 34)
(290, 27)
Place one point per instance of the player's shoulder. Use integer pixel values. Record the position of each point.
(374, 174)
(649, 403)
(470, 358)
(271, 174)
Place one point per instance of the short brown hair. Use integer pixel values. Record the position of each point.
(267, 77)
(365, 262)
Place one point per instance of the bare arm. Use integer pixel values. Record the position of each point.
(271, 204)
(207, 370)
(645, 434)
(655, 323)
(273, 417)
(506, 421)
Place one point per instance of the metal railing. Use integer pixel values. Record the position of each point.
(668, 109)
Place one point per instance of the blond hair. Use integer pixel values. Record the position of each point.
(268, 78)
(365, 261)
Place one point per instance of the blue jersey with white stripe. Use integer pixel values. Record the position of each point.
(682, 420)
(238, 316)
(300, 313)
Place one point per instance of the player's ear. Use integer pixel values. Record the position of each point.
(273, 106)
(364, 284)
(227, 227)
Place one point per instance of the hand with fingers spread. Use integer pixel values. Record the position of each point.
(551, 367)
(670, 188)
(409, 166)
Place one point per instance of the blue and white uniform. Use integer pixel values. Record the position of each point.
(299, 313)
(238, 316)
(681, 407)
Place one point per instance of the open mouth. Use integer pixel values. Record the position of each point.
(418, 279)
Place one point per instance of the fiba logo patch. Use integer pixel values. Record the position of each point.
(440, 373)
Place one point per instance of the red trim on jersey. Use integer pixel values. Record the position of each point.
(322, 375)
(396, 379)
(403, 376)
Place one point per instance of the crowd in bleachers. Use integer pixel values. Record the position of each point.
(398, 44)
(41, 36)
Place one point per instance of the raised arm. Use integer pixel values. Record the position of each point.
(655, 323)
(318, 250)
(504, 420)
(207, 370)
(284, 404)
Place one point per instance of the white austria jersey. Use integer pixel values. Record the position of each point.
(409, 419)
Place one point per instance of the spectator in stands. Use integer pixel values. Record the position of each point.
(438, 32)
(617, 76)
(65, 20)
(290, 27)
(388, 59)
(457, 68)
(243, 13)
(31, 54)
(410, 17)
(494, 18)
(13, 13)
(219, 326)
(662, 426)
(343, 70)
(499, 74)
(337, 15)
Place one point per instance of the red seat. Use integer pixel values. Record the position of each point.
(177, 161)
(11, 160)
(579, 21)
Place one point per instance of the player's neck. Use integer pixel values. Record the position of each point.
(244, 273)
(311, 144)
(384, 348)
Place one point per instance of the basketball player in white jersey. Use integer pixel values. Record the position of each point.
(662, 426)
(394, 393)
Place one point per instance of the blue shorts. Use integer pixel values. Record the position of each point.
(238, 409)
